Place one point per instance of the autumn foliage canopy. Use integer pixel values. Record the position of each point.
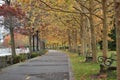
(6, 10)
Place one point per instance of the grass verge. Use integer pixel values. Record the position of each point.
(84, 70)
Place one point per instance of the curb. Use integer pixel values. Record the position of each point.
(71, 77)
(17, 64)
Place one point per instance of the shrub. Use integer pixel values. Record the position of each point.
(16, 59)
(19, 58)
(34, 55)
(42, 52)
(23, 57)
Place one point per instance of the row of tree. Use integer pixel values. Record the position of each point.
(68, 22)
(22, 16)
(86, 22)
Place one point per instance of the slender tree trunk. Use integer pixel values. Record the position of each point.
(12, 42)
(117, 17)
(82, 50)
(82, 43)
(76, 46)
(33, 42)
(30, 44)
(69, 39)
(75, 40)
(85, 37)
(93, 36)
(12, 38)
(105, 34)
(89, 40)
(40, 42)
(37, 40)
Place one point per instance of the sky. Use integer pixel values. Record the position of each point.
(2, 30)
(1, 2)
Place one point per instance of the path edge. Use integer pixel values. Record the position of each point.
(71, 76)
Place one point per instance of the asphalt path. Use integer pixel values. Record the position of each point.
(54, 65)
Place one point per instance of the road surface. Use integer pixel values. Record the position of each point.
(52, 66)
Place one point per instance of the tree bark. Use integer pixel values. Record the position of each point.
(69, 39)
(37, 40)
(33, 37)
(76, 46)
(117, 17)
(30, 44)
(93, 36)
(12, 39)
(105, 33)
(82, 40)
(75, 40)
(89, 39)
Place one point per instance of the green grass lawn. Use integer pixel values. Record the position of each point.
(84, 70)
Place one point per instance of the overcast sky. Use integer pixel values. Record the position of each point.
(2, 30)
(1, 2)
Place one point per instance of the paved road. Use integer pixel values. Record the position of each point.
(52, 66)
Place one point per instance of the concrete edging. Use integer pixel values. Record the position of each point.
(71, 77)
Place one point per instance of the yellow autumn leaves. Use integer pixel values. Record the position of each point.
(24, 1)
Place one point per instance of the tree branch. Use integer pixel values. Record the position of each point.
(98, 1)
(81, 12)
(58, 9)
(82, 5)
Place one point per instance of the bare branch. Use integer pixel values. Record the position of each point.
(62, 21)
(58, 9)
(88, 13)
(81, 12)
(97, 16)
(97, 9)
(98, 24)
(98, 1)
(61, 10)
(76, 20)
(82, 5)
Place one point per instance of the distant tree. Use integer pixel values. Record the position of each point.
(20, 40)
(12, 18)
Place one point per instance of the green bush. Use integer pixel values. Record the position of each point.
(19, 58)
(38, 53)
(34, 55)
(16, 59)
(23, 57)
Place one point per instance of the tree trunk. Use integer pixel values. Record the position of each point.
(12, 37)
(117, 17)
(33, 37)
(89, 40)
(93, 36)
(105, 34)
(76, 46)
(74, 40)
(37, 40)
(82, 44)
(12, 41)
(30, 44)
(69, 39)
(88, 37)
(82, 40)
